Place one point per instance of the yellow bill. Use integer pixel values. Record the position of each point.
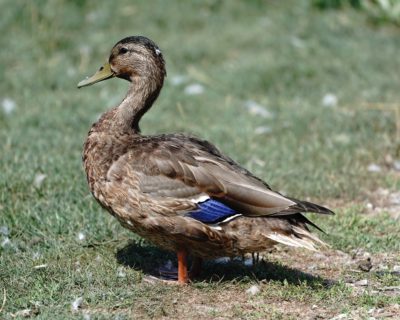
(104, 73)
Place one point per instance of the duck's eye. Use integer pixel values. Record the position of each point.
(123, 50)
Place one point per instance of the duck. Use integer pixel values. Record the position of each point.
(178, 191)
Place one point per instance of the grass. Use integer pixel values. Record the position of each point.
(284, 55)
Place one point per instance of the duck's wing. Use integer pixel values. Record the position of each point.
(180, 167)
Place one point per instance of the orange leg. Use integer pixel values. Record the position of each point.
(182, 267)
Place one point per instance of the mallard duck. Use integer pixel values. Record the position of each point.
(178, 191)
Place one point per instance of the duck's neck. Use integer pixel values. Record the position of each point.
(140, 97)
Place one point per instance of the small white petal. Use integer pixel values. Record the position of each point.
(329, 100)
(253, 290)
(194, 89)
(371, 310)
(39, 178)
(8, 105)
(36, 255)
(373, 167)
(6, 242)
(258, 110)
(77, 303)
(81, 236)
(121, 273)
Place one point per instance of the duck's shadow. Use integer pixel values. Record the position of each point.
(149, 259)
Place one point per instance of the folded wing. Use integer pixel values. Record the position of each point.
(189, 169)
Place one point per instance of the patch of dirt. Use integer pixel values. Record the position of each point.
(337, 265)
(361, 271)
(331, 265)
(384, 200)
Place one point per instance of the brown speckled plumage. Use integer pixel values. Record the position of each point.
(150, 183)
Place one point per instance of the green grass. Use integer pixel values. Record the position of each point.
(284, 55)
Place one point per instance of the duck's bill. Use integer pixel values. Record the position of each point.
(104, 73)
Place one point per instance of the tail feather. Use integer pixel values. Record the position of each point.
(300, 238)
(310, 236)
(298, 217)
(292, 230)
(292, 241)
(304, 206)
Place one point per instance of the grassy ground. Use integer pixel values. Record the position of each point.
(57, 244)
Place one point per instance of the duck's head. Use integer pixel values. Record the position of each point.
(132, 58)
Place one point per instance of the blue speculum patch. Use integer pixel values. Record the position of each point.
(212, 211)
